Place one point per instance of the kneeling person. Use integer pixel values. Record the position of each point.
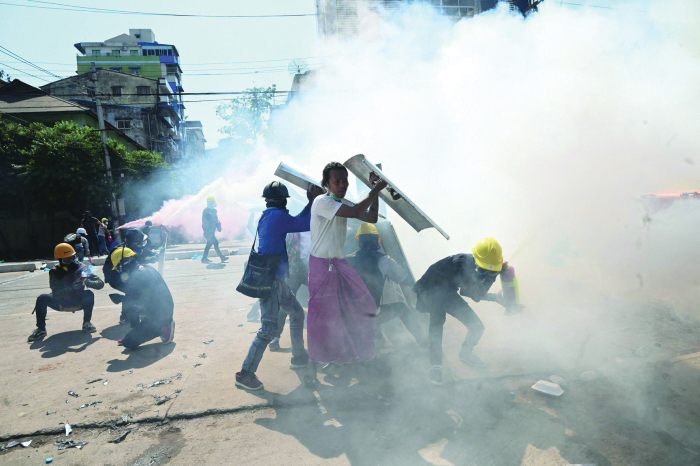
(67, 280)
(147, 300)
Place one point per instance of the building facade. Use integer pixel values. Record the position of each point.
(194, 140)
(144, 108)
(136, 53)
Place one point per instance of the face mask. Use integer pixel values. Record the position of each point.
(484, 274)
(67, 260)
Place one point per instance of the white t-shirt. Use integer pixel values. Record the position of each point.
(327, 230)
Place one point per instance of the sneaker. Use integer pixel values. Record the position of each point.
(223, 258)
(205, 260)
(37, 334)
(88, 327)
(249, 381)
(167, 333)
(435, 375)
(122, 319)
(274, 344)
(299, 362)
(120, 342)
(469, 358)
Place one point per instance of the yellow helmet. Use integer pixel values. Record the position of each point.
(120, 253)
(488, 255)
(211, 199)
(63, 250)
(367, 229)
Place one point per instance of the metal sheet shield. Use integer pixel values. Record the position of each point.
(392, 195)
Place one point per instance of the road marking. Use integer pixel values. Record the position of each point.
(30, 275)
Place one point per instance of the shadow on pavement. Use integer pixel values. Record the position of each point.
(141, 357)
(216, 266)
(62, 343)
(115, 332)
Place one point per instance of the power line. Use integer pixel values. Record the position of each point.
(37, 77)
(145, 13)
(17, 57)
(210, 63)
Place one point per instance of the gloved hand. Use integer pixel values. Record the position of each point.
(514, 309)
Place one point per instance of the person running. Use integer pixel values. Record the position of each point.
(340, 328)
(210, 225)
(273, 227)
(440, 292)
(375, 268)
(67, 280)
(147, 298)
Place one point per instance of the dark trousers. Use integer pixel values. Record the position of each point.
(45, 301)
(92, 241)
(407, 316)
(102, 246)
(211, 241)
(439, 303)
(141, 332)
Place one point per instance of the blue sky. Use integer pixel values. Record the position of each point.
(206, 45)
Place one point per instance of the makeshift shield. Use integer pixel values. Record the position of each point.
(392, 195)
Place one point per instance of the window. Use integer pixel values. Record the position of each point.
(123, 124)
(135, 70)
(143, 90)
(117, 91)
(116, 53)
(96, 53)
(171, 69)
(134, 53)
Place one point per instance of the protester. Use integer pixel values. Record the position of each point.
(273, 227)
(102, 233)
(298, 249)
(90, 224)
(440, 292)
(79, 243)
(210, 225)
(340, 329)
(147, 299)
(375, 268)
(67, 280)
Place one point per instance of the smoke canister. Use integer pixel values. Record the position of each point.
(511, 290)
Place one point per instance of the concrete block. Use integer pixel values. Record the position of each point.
(18, 267)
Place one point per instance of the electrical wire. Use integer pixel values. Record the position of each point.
(37, 77)
(68, 7)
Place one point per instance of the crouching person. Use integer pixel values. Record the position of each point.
(147, 300)
(68, 280)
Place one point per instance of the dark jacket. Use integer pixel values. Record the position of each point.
(68, 282)
(273, 226)
(147, 291)
(90, 225)
(366, 263)
(210, 220)
(453, 273)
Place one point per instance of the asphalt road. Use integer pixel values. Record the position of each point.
(387, 414)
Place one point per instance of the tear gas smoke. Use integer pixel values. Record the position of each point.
(541, 132)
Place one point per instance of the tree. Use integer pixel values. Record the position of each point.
(46, 169)
(246, 116)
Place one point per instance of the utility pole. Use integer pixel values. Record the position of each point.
(108, 165)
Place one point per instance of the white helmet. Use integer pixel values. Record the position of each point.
(82, 231)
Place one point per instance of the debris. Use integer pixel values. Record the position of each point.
(184, 356)
(125, 417)
(203, 355)
(72, 393)
(206, 342)
(131, 371)
(240, 325)
(90, 404)
(512, 394)
(49, 460)
(320, 410)
(178, 376)
(558, 380)
(11, 444)
(592, 375)
(68, 429)
(93, 381)
(642, 352)
(163, 400)
(548, 387)
(70, 444)
(120, 438)
(105, 382)
(198, 364)
(26, 444)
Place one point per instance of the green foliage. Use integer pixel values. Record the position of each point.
(246, 116)
(45, 169)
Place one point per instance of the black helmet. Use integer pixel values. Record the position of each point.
(72, 239)
(135, 238)
(275, 190)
